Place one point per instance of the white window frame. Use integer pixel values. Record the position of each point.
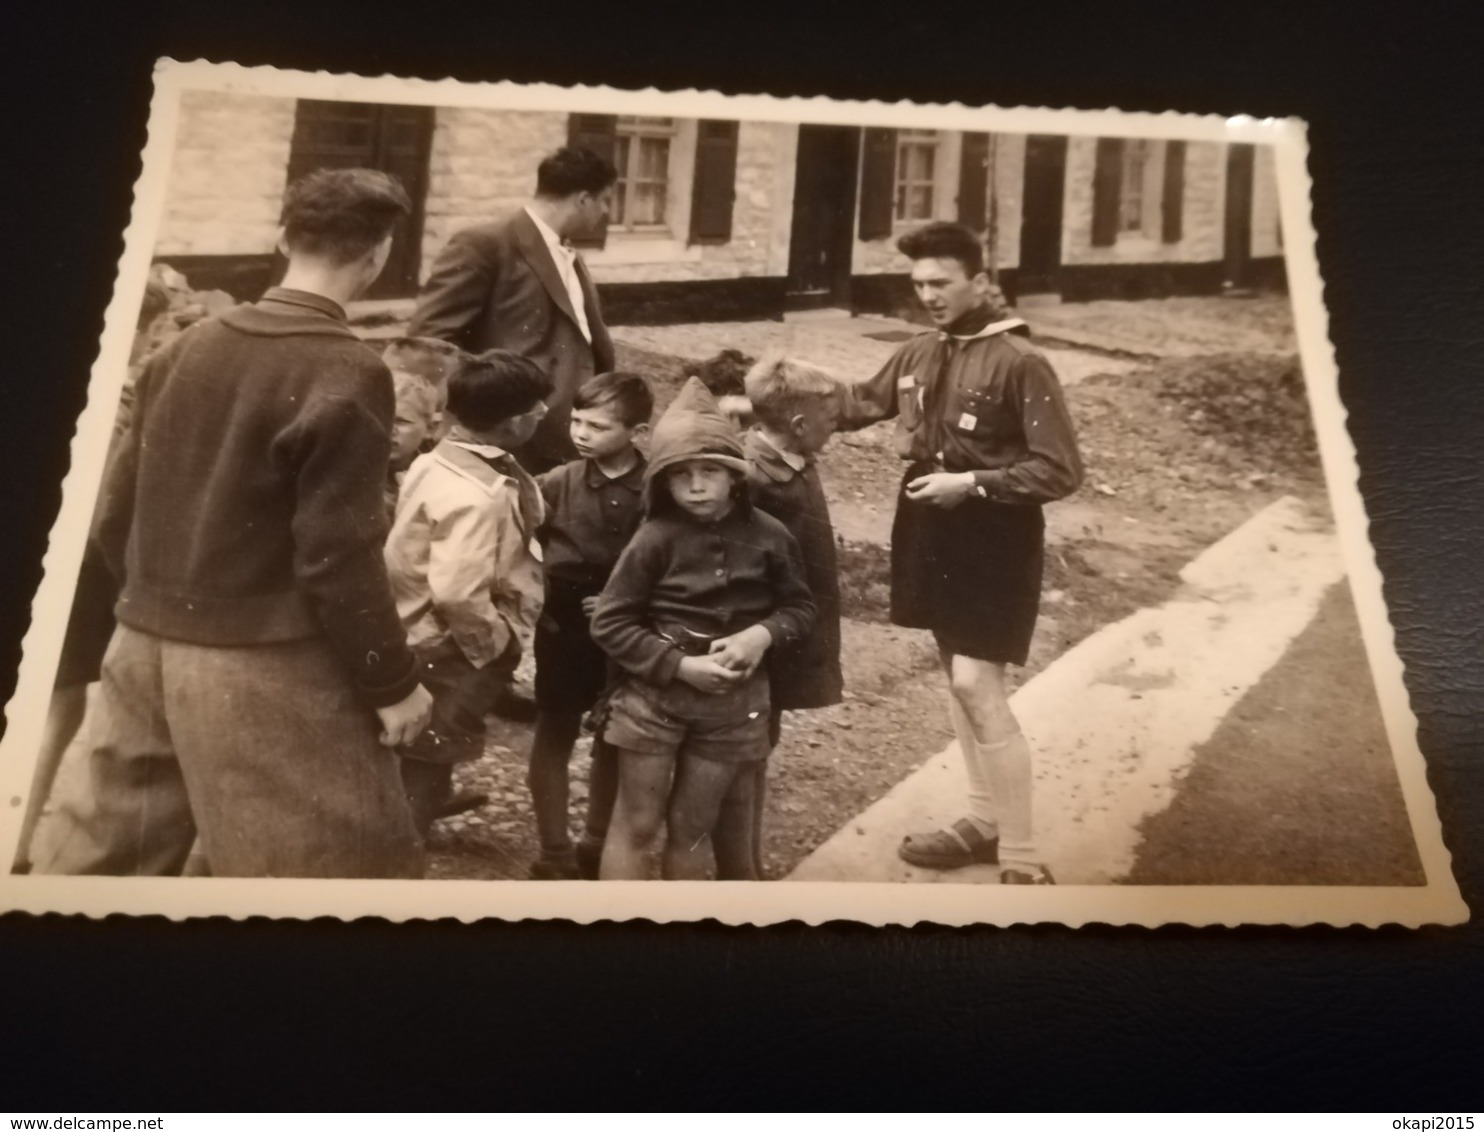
(1147, 177)
(635, 127)
(923, 139)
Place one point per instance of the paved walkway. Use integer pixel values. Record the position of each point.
(1115, 721)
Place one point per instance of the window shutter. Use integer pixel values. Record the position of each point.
(1107, 185)
(878, 183)
(714, 188)
(599, 133)
(973, 182)
(1172, 202)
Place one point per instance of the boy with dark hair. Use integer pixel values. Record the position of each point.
(705, 588)
(258, 642)
(518, 284)
(593, 507)
(463, 567)
(985, 432)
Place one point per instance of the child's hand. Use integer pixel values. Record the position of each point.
(404, 721)
(590, 606)
(742, 652)
(705, 675)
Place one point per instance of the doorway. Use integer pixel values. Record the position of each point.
(1239, 159)
(820, 243)
(393, 139)
(1041, 214)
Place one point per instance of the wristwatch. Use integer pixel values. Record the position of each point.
(968, 478)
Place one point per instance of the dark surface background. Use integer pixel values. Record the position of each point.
(147, 1015)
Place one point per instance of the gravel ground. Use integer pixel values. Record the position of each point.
(1179, 451)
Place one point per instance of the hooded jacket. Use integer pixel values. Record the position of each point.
(684, 578)
(244, 503)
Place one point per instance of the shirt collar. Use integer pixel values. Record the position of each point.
(771, 459)
(294, 298)
(633, 479)
(553, 241)
(488, 451)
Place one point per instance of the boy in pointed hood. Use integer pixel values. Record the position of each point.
(704, 589)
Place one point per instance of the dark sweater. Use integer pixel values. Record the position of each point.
(244, 506)
(707, 579)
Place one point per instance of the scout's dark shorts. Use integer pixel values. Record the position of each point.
(971, 574)
(571, 671)
(679, 720)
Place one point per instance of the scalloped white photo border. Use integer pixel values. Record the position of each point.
(1436, 902)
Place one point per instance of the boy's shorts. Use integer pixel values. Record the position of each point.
(571, 671)
(730, 727)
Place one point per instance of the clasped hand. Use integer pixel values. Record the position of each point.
(941, 489)
(731, 660)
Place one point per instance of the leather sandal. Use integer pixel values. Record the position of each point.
(956, 847)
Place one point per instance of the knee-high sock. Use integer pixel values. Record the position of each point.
(981, 791)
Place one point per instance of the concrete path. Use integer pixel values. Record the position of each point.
(1116, 720)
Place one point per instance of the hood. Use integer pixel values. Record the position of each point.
(692, 426)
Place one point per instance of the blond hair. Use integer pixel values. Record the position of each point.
(779, 389)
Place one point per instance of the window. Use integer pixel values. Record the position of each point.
(642, 155)
(917, 166)
(1131, 186)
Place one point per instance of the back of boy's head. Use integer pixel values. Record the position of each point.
(779, 389)
(626, 395)
(341, 214)
(490, 388)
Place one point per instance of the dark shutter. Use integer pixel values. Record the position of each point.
(714, 188)
(1172, 201)
(593, 131)
(878, 183)
(973, 182)
(1107, 186)
(599, 133)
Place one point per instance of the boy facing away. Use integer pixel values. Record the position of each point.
(593, 507)
(463, 564)
(258, 643)
(795, 407)
(704, 589)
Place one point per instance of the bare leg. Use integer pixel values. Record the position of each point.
(602, 791)
(638, 814)
(736, 825)
(63, 718)
(700, 786)
(551, 752)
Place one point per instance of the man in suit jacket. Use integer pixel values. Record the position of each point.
(517, 284)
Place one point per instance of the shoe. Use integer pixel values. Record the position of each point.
(514, 705)
(1036, 874)
(956, 847)
(460, 803)
(589, 859)
(555, 866)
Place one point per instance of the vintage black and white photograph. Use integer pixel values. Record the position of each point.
(818, 510)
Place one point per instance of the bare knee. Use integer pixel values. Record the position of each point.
(979, 688)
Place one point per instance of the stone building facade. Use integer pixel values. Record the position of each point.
(748, 219)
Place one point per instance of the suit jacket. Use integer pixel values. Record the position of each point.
(495, 286)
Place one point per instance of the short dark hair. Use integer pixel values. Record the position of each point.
(723, 374)
(943, 239)
(571, 170)
(627, 394)
(342, 213)
(489, 388)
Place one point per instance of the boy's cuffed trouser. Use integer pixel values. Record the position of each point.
(265, 751)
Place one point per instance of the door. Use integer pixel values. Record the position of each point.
(393, 139)
(1041, 214)
(820, 244)
(1238, 212)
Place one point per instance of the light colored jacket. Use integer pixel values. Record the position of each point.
(461, 556)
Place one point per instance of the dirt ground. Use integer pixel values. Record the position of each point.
(1179, 451)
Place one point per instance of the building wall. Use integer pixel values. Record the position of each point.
(1202, 227)
(227, 175)
(1266, 237)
